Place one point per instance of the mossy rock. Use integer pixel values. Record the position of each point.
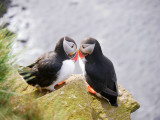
(73, 102)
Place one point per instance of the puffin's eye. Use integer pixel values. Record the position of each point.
(72, 46)
(85, 46)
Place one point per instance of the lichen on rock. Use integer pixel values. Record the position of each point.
(73, 102)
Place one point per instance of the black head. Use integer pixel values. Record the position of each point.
(90, 47)
(66, 47)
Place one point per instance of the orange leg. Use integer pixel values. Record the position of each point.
(91, 90)
(61, 83)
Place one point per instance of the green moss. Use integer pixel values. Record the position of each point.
(72, 98)
(73, 102)
(103, 110)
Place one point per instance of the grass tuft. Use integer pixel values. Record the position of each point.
(9, 107)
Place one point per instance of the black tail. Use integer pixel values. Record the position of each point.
(111, 95)
(28, 75)
(110, 91)
(112, 99)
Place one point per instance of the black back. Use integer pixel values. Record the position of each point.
(100, 72)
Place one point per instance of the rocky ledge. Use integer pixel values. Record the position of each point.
(73, 102)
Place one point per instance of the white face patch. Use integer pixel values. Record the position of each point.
(87, 48)
(82, 63)
(66, 70)
(69, 47)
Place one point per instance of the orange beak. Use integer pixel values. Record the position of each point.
(75, 57)
(80, 54)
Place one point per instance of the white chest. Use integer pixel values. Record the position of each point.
(66, 70)
(82, 63)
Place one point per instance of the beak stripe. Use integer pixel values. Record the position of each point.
(80, 54)
(75, 57)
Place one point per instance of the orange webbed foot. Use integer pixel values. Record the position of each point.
(61, 83)
(91, 90)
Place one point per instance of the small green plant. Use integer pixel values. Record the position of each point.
(6, 61)
(28, 110)
(6, 70)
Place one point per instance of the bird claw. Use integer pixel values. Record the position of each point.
(91, 90)
(61, 83)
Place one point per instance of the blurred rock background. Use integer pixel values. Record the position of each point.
(128, 31)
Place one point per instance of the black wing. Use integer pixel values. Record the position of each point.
(101, 77)
(43, 72)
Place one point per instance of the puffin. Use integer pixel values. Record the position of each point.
(53, 67)
(98, 71)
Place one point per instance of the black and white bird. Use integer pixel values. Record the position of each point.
(53, 67)
(98, 71)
